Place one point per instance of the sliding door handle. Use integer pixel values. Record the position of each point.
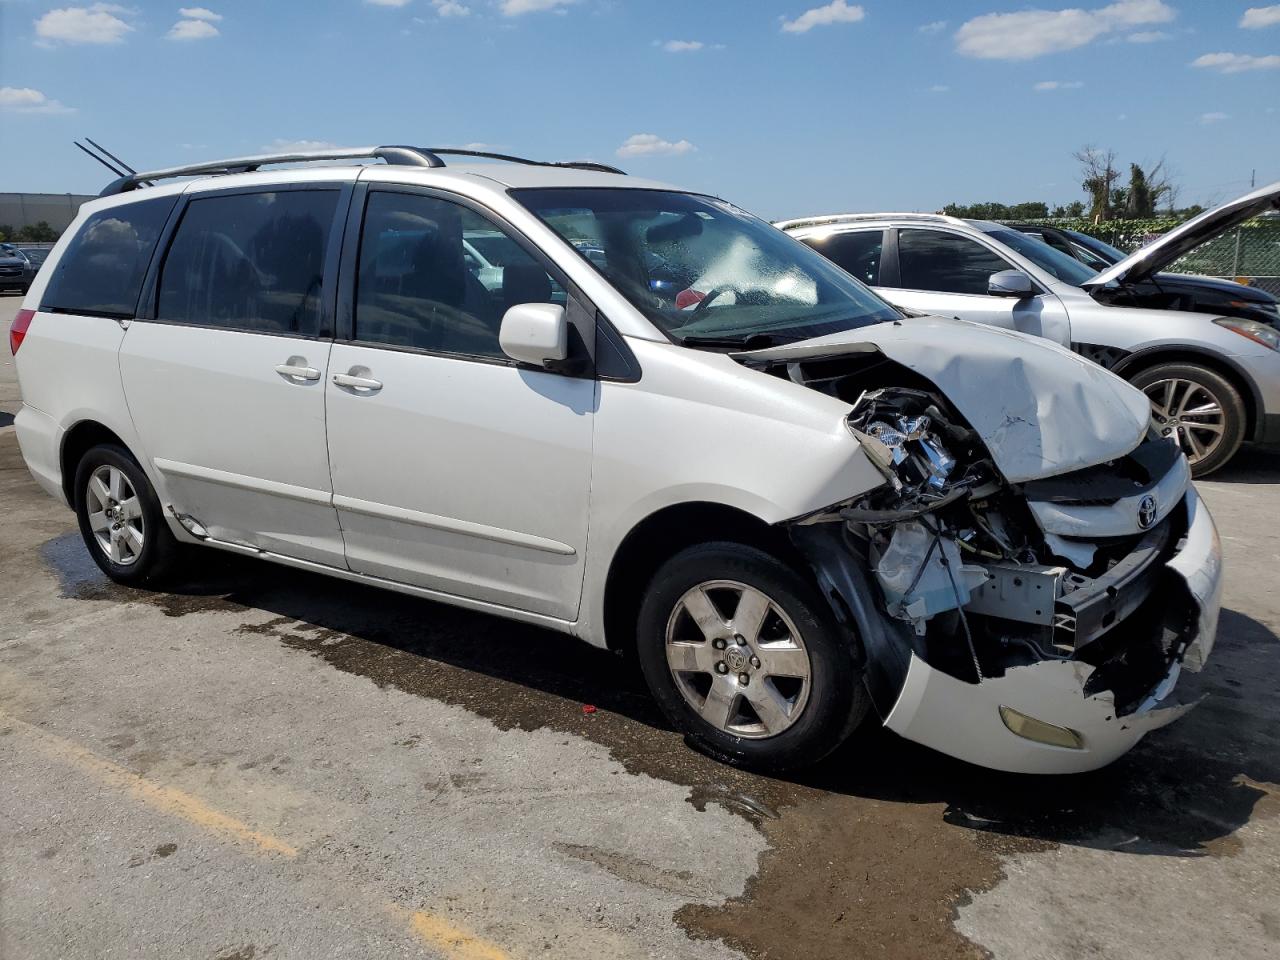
(356, 383)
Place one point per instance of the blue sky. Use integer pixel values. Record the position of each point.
(787, 108)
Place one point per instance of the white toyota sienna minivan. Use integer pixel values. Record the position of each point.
(647, 419)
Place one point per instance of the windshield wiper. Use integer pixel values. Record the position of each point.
(755, 341)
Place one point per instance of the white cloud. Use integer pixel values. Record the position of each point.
(683, 46)
(837, 11)
(939, 88)
(515, 8)
(28, 100)
(651, 145)
(1147, 36)
(95, 24)
(388, 3)
(1236, 62)
(937, 26)
(1058, 85)
(1028, 34)
(451, 8)
(192, 30)
(1255, 18)
(294, 146)
(199, 13)
(1214, 117)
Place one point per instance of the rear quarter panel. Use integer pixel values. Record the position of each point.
(68, 369)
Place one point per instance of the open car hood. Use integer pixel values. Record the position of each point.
(1041, 409)
(1142, 264)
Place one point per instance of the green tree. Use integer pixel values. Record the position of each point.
(1029, 210)
(37, 233)
(1098, 175)
(1138, 202)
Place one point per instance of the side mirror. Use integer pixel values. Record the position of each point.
(535, 333)
(1010, 283)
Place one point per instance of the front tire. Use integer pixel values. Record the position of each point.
(121, 520)
(746, 659)
(1200, 408)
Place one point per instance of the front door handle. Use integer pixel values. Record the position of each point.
(356, 382)
(297, 369)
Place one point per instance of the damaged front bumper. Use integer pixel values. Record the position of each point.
(977, 721)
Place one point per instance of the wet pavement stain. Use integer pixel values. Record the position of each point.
(870, 852)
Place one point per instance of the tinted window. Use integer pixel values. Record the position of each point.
(251, 261)
(421, 284)
(703, 271)
(102, 269)
(856, 253)
(946, 262)
(1049, 259)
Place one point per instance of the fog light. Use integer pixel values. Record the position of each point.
(1032, 729)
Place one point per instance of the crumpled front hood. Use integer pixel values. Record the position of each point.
(1041, 409)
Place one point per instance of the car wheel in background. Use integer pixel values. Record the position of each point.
(1197, 406)
(746, 659)
(121, 519)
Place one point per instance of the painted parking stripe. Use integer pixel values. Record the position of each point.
(431, 929)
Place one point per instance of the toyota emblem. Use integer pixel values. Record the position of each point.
(1146, 512)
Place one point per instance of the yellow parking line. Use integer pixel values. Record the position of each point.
(434, 931)
(455, 942)
(166, 799)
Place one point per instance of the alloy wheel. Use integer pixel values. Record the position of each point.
(738, 659)
(1190, 413)
(115, 515)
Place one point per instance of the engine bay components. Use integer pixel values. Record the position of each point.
(1026, 592)
(922, 574)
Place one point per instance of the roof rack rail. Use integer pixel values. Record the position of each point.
(403, 156)
(847, 217)
(572, 164)
(394, 155)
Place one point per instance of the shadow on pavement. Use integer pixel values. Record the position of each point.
(1184, 791)
(1250, 465)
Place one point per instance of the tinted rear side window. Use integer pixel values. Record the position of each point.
(251, 261)
(857, 253)
(102, 270)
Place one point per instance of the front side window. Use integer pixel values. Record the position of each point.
(435, 275)
(946, 262)
(703, 271)
(101, 272)
(251, 261)
(856, 253)
(1052, 261)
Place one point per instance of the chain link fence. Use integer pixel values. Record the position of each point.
(1249, 253)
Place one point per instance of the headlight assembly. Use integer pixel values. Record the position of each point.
(1261, 333)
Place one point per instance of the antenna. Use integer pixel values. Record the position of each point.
(118, 172)
(103, 150)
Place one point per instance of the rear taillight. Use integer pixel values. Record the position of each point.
(19, 329)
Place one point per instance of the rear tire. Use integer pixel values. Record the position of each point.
(1198, 406)
(121, 520)
(772, 685)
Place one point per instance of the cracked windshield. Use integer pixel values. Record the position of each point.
(706, 273)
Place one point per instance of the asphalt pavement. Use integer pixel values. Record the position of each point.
(264, 762)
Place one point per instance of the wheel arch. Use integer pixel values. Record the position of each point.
(1150, 357)
(76, 442)
(660, 536)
